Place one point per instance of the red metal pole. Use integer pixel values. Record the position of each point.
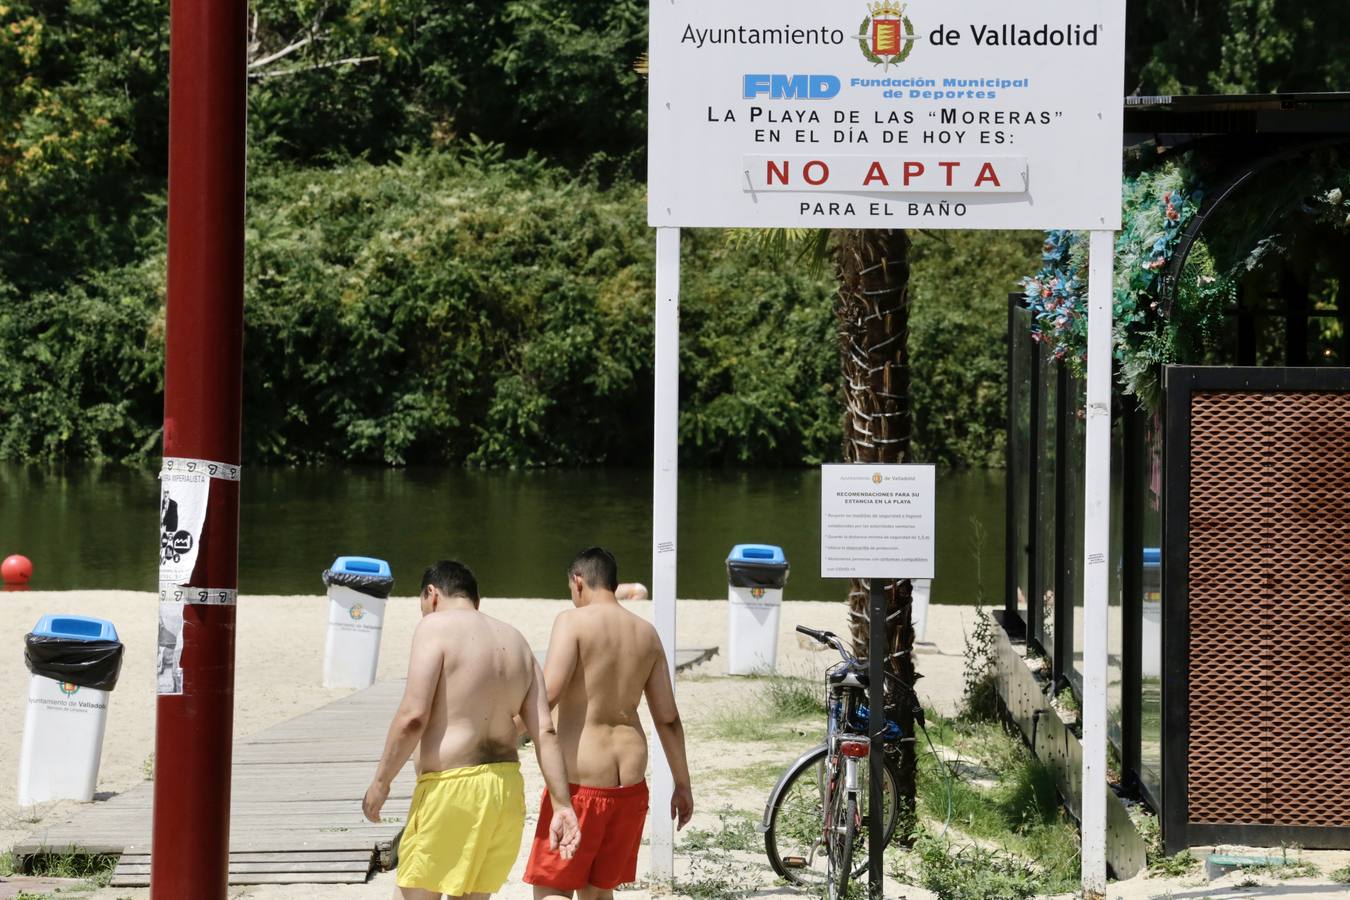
(202, 418)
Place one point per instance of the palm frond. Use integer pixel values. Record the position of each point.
(809, 246)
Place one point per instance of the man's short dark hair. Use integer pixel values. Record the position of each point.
(597, 568)
(451, 578)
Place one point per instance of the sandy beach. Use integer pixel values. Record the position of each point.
(280, 643)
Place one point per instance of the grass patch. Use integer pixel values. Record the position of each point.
(741, 727)
(788, 697)
(1177, 865)
(1019, 811)
(715, 873)
(971, 872)
(760, 776)
(735, 831)
(94, 868)
(1341, 875)
(1289, 868)
(1023, 796)
(784, 709)
(1149, 828)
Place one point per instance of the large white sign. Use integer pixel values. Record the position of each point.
(882, 114)
(877, 521)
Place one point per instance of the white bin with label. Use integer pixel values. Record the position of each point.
(357, 590)
(64, 725)
(756, 574)
(921, 589)
(1151, 636)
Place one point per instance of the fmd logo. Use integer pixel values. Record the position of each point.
(791, 87)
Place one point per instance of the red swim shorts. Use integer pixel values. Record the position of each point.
(611, 834)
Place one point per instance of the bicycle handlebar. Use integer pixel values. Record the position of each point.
(831, 639)
(822, 637)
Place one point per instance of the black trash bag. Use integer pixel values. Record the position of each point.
(744, 573)
(377, 586)
(91, 664)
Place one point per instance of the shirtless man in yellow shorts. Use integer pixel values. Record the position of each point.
(468, 677)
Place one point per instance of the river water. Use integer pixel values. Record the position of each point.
(96, 527)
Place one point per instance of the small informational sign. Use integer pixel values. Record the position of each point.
(877, 521)
(886, 114)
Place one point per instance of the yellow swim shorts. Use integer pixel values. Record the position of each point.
(464, 829)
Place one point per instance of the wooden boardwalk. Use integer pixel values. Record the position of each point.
(295, 806)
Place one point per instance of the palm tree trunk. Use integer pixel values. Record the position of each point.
(872, 308)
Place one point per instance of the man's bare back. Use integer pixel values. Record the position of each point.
(602, 662)
(469, 678)
(486, 668)
(615, 652)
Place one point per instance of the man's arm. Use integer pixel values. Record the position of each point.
(424, 673)
(666, 720)
(561, 661)
(564, 833)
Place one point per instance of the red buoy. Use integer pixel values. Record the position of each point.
(16, 569)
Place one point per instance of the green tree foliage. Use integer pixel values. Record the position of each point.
(375, 77)
(81, 369)
(1236, 46)
(80, 83)
(458, 308)
(959, 287)
(413, 296)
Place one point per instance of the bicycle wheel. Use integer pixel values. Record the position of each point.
(844, 834)
(794, 840)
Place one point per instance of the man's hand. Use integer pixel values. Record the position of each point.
(682, 805)
(564, 832)
(376, 794)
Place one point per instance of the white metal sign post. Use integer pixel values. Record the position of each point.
(665, 489)
(883, 114)
(1096, 549)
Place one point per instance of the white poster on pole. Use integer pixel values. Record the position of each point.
(883, 114)
(169, 659)
(877, 521)
(183, 496)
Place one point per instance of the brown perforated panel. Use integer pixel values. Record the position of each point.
(1269, 609)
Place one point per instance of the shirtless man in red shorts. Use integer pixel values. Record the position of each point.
(602, 660)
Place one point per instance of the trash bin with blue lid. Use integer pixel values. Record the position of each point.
(756, 574)
(1151, 635)
(75, 662)
(358, 587)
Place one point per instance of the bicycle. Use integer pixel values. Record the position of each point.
(819, 810)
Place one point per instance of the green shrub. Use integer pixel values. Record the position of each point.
(793, 698)
(735, 831)
(1177, 865)
(972, 872)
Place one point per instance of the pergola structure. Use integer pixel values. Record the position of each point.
(1284, 343)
